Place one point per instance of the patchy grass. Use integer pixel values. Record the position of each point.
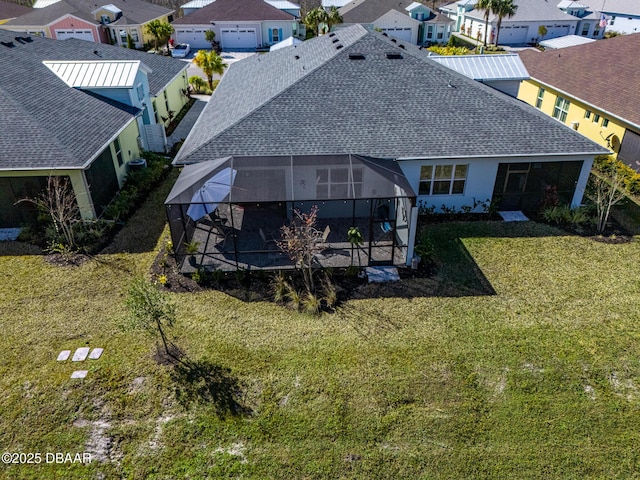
(525, 365)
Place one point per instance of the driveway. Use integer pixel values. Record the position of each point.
(227, 57)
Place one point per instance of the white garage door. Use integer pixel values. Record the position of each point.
(556, 31)
(193, 36)
(81, 34)
(399, 33)
(238, 38)
(513, 35)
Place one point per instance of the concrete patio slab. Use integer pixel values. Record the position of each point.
(79, 374)
(96, 353)
(80, 354)
(63, 355)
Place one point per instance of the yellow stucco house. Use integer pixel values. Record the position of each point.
(85, 111)
(592, 88)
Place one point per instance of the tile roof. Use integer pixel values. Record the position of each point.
(45, 121)
(605, 73)
(233, 11)
(376, 106)
(486, 67)
(135, 12)
(367, 11)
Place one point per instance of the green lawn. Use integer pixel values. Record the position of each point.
(521, 360)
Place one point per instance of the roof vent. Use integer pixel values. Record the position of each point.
(335, 40)
(27, 39)
(332, 35)
(393, 40)
(356, 56)
(384, 34)
(8, 44)
(393, 55)
(401, 46)
(450, 85)
(95, 52)
(338, 47)
(297, 57)
(20, 40)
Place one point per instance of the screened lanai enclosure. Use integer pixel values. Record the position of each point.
(227, 214)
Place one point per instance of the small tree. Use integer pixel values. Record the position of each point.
(542, 31)
(315, 17)
(58, 200)
(299, 241)
(503, 8)
(161, 31)
(355, 239)
(210, 36)
(604, 193)
(210, 63)
(197, 83)
(333, 17)
(150, 310)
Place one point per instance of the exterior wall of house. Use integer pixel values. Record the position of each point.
(597, 127)
(118, 35)
(171, 98)
(129, 150)
(70, 22)
(194, 35)
(623, 23)
(285, 30)
(147, 37)
(481, 178)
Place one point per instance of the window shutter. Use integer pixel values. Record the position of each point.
(280, 34)
(270, 36)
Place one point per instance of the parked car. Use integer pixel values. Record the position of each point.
(181, 50)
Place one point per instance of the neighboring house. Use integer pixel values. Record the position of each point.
(238, 25)
(284, 5)
(411, 22)
(287, 42)
(110, 22)
(9, 11)
(622, 15)
(83, 111)
(564, 42)
(454, 140)
(559, 17)
(503, 72)
(601, 103)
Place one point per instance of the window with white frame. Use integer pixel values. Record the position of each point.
(337, 182)
(276, 37)
(605, 123)
(561, 109)
(540, 97)
(596, 118)
(587, 114)
(443, 179)
(134, 35)
(116, 145)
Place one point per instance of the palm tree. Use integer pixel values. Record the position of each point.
(487, 6)
(210, 62)
(503, 8)
(160, 30)
(333, 18)
(542, 31)
(315, 17)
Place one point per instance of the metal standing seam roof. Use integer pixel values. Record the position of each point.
(197, 3)
(283, 4)
(566, 41)
(97, 74)
(486, 67)
(367, 104)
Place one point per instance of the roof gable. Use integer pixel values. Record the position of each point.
(367, 106)
(367, 11)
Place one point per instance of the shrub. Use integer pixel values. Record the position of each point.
(424, 247)
(279, 288)
(330, 293)
(311, 303)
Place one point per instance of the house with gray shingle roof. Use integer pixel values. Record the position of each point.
(111, 21)
(357, 92)
(244, 25)
(622, 15)
(83, 111)
(559, 17)
(412, 22)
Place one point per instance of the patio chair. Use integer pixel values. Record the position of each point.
(221, 231)
(266, 241)
(322, 240)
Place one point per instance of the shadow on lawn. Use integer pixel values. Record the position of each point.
(202, 381)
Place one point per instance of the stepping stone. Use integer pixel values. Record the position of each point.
(513, 216)
(81, 354)
(79, 374)
(95, 353)
(382, 274)
(63, 355)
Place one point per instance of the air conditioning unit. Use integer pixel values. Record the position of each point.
(137, 164)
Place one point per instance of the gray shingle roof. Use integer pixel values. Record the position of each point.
(529, 11)
(326, 103)
(47, 124)
(235, 11)
(136, 12)
(367, 11)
